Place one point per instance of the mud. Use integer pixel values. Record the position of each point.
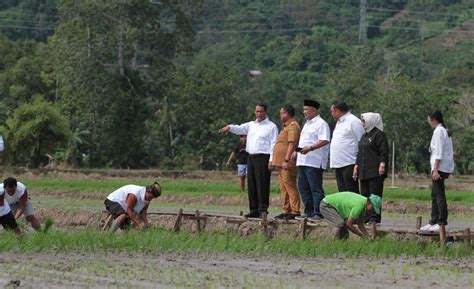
(174, 270)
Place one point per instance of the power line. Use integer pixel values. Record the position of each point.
(414, 12)
(27, 27)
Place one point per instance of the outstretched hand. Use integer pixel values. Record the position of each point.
(225, 129)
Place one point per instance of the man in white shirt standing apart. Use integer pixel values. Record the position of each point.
(344, 146)
(312, 159)
(261, 138)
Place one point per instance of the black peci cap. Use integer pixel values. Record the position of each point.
(313, 103)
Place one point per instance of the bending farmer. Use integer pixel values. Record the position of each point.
(127, 202)
(343, 210)
(19, 202)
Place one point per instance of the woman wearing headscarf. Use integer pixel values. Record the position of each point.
(372, 159)
(442, 164)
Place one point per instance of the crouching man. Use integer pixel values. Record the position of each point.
(129, 201)
(6, 217)
(345, 209)
(19, 202)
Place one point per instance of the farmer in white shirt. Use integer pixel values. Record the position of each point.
(442, 164)
(19, 202)
(261, 138)
(344, 146)
(7, 220)
(127, 202)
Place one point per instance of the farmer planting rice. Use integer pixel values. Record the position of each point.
(343, 210)
(6, 217)
(20, 204)
(127, 202)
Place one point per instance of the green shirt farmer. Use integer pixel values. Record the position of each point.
(343, 210)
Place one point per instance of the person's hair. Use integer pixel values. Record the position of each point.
(340, 105)
(289, 109)
(156, 193)
(9, 182)
(262, 104)
(438, 116)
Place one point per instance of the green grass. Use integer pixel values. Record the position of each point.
(187, 187)
(161, 240)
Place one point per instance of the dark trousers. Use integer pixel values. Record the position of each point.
(258, 179)
(369, 187)
(439, 207)
(310, 185)
(345, 182)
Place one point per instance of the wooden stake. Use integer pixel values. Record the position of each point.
(467, 237)
(107, 222)
(264, 224)
(418, 222)
(241, 213)
(303, 229)
(177, 223)
(373, 230)
(198, 221)
(442, 235)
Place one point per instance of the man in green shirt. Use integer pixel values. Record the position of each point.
(343, 210)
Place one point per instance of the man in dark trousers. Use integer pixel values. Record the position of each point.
(261, 137)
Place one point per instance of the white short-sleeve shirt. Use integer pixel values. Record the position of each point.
(345, 141)
(20, 190)
(5, 209)
(314, 130)
(120, 195)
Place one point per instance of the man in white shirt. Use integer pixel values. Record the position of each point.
(312, 159)
(344, 146)
(261, 138)
(19, 202)
(7, 220)
(442, 165)
(2, 145)
(127, 202)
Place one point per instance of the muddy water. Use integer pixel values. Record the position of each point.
(171, 270)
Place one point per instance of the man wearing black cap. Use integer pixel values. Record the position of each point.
(261, 138)
(312, 159)
(127, 202)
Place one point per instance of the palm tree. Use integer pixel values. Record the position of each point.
(167, 118)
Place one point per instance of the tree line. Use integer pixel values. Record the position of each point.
(137, 84)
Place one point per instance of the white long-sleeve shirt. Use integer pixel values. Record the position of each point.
(314, 131)
(261, 136)
(345, 141)
(441, 148)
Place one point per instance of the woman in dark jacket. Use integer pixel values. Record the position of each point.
(372, 159)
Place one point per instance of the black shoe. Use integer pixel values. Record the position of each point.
(291, 216)
(281, 216)
(252, 214)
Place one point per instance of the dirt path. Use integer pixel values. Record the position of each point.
(171, 270)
